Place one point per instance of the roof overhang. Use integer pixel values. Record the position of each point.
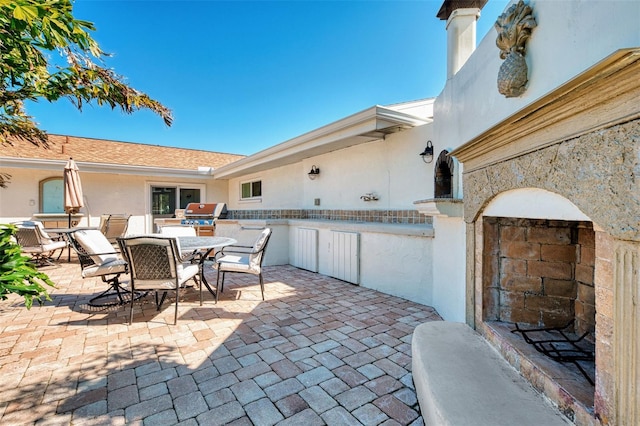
(89, 167)
(371, 124)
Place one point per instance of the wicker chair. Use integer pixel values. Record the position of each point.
(155, 264)
(114, 226)
(242, 260)
(37, 243)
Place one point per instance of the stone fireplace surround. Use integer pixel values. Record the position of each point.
(580, 145)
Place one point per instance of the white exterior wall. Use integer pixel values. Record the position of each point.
(282, 188)
(390, 168)
(570, 37)
(103, 193)
(394, 259)
(400, 265)
(449, 257)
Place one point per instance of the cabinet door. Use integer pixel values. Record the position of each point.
(345, 255)
(306, 249)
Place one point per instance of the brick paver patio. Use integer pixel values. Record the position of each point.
(317, 351)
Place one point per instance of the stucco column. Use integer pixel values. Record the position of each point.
(461, 38)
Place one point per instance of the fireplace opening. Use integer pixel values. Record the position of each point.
(538, 277)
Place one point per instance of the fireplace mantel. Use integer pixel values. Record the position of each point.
(602, 96)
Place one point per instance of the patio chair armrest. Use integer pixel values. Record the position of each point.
(236, 249)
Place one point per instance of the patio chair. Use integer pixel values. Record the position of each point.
(98, 258)
(37, 243)
(155, 264)
(243, 260)
(182, 231)
(178, 231)
(113, 226)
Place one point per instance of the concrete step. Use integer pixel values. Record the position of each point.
(462, 380)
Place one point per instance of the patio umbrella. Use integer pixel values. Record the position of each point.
(72, 193)
(72, 189)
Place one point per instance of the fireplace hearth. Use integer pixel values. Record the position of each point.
(561, 345)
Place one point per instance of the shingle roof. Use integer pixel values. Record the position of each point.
(114, 152)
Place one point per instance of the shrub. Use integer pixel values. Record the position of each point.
(17, 273)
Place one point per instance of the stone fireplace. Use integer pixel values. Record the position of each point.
(539, 272)
(552, 207)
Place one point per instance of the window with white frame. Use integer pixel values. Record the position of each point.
(251, 190)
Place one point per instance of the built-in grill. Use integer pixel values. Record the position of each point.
(203, 216)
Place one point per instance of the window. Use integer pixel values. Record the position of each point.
(165, 199)
(251, 190)
(52, 195)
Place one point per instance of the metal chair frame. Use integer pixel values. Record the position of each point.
(242, 250)
(34, 241)
(154, 264)
(112, 279)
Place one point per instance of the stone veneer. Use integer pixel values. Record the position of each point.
(376, 216)
(599, 173)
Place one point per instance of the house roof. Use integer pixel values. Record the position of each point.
(101, 155)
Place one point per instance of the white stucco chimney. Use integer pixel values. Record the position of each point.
(461, 17)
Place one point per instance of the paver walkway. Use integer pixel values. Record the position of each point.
(317, 351)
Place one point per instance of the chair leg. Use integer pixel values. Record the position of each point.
(175, 316)
(218, 283)
(164, 295)
(261, 285)
(131, 309)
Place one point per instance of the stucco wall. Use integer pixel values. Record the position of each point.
(390, 168)
(570, 37)
(394, 259)
(448, 274)
(281, 189)
(104, 193)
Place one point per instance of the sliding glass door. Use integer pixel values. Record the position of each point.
(166, 199)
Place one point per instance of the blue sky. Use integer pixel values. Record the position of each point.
(241, 76)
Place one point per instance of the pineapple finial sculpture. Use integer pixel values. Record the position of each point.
(514, 29)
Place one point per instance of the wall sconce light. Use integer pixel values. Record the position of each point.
(427, 154)
(314, 172)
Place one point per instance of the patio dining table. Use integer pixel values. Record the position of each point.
(206, 245)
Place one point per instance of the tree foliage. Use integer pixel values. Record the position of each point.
(17, 274)
(30, 31)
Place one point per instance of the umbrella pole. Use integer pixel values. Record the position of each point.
(69, 245)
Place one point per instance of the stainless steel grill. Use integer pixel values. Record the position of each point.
(203, 216)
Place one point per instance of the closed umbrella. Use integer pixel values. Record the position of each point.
(72, 191)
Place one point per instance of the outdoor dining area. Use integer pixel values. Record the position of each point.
(316, 350)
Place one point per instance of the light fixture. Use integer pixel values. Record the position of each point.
(314, 172)
(427, 154)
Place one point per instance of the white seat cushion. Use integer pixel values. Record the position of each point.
(236, 263)
(53, 245)
(116, 266)
(97, 246)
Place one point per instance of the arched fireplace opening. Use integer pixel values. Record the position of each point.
(538, 276)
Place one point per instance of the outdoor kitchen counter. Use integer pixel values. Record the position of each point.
(418, 230)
